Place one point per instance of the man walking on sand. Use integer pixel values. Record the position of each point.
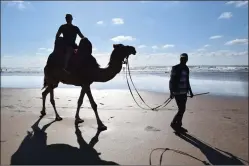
(179, 86)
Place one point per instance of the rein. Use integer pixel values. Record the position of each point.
(149, 108)
(164, 104)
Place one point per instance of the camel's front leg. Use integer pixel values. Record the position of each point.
(53, 104)
(101, 126)
(80, 102)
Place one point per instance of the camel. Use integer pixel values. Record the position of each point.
(81, 75)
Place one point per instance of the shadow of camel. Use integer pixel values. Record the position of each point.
(34, 150)
(214, 155)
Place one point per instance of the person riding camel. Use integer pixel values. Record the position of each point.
(69, 32)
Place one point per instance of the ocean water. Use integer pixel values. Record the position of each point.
(218, 80)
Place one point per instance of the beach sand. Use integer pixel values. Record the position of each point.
(217, 130)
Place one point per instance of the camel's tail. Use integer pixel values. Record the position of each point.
(44, 83)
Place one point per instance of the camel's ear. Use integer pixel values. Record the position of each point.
(114, 45)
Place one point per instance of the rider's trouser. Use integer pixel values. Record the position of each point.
(69, 52)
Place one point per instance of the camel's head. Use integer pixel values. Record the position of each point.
(125, 49)
(122, 52)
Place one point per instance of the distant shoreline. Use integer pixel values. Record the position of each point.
(152, 68)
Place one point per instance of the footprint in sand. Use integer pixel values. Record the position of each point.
(151, 128)
(9, 106)
(111, 117)
(19, 111)
(227, 117)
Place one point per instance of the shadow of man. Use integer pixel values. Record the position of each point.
(214, 155)
(34, 150)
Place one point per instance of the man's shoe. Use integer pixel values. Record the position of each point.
(173, 125)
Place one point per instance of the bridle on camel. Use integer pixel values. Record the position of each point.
(164, 104)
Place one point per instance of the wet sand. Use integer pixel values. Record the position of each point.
(217, 130)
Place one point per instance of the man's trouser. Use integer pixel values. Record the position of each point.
(68, 54)
(181, 100)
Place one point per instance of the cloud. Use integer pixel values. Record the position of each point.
(226, 15)
(140, 59)
(95, 49)
(38, 53)
(26, 61)
(117, 21)
(42, 48)
(45, 49)
(196, 58)
(154, 47)
(21, 5)
(123, 38)
(141, 46)
(100, 22)
(237, 41)
(216, 37)
(237, 3)
(168, 46)
(201, 49)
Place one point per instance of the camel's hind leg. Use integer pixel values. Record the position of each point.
(101, 126)
(44, 95)
(58, 118)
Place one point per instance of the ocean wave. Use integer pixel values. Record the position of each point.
(141, 69)
(147, 83)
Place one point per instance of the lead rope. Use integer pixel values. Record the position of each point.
(150, 108)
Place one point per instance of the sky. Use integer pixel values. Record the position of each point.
(212, 33)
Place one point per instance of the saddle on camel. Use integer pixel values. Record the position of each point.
(81, 58)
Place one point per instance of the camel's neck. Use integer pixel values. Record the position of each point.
(108, 73)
